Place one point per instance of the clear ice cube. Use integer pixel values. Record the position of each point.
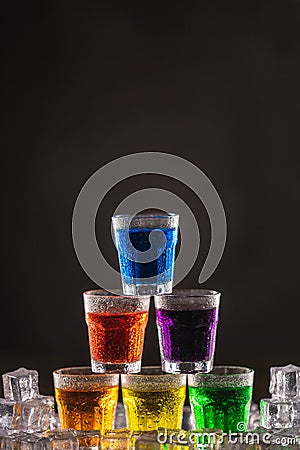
(25, 441)
(88, 439)
(7, 411)
(276, 413)
(148, 440)
(285, 381)
(20, 385)
(31, 415)
(3, 439)
(53, 417)
(116, 440)
(296, 407)
(61, 440)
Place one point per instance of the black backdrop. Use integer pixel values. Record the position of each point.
(214, 82)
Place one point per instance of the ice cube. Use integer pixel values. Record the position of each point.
(3, 439)
(205, 438)
(7, 410)
(276, 413)
(284, 438)
(285, 381)
(296, 407)
(147, 440)
(88, 439)
(31, 415)
(53, 417)
(20, 385)
(61, 440)
(48, 400)
(25, 441)
(116, 440)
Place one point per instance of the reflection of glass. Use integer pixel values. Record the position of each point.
(153, 399)
(85, 400)
(116, 327)
(146, 250)
(221, 398)
(187, 324)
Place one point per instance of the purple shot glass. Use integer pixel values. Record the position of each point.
(187, 323)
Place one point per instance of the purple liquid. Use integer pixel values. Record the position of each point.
(187, 336)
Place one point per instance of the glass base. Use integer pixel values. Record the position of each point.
(100, 367)
(187, 367)
(147, 289)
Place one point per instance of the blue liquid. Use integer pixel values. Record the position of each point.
(162, 267)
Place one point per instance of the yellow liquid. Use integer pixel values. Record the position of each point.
(87, 410)
(150, 410)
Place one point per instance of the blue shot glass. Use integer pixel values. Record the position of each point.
(146, 250)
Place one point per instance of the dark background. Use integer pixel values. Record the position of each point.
(84, 83)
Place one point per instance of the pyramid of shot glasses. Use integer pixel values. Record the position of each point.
(186, 322)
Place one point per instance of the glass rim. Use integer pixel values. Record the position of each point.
(145, 216)
(158, 369)
(236, 371)
(105, 294)
(155, 380)
(239, 376)
(84, 372)
(190, 293)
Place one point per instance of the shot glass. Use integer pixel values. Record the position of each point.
(116, 328)
(187, 323)
(85, 400)
(221, 398)
(146, 251)
(153, 399)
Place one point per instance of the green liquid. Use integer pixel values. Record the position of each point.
(225, 408)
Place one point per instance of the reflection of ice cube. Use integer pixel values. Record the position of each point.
(276, 413)
(285, 381)
(254, 417)
(20, 385)
(188, 422)
(120, 418)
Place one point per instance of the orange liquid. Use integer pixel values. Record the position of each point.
(87, 410)
(117, 338)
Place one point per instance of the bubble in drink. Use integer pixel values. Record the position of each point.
(87, 410)
(161, 266)
(187, 335)
(149, 410)
(226, 408)
(146, 252)
(187, 325)
(116, 338)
